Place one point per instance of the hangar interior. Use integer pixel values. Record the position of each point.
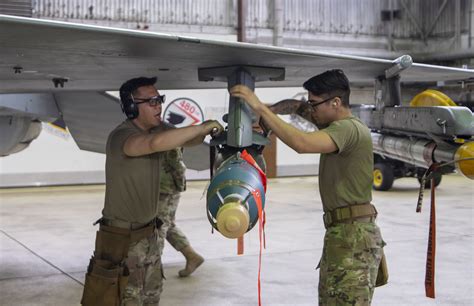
(46, 236)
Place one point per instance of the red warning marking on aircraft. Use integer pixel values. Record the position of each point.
(183, 112)
(187, 111)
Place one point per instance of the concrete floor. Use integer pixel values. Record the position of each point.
(46, 240)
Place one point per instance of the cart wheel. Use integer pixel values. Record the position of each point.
(383, 177)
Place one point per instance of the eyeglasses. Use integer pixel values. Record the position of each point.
(314, 104)
(152, 101)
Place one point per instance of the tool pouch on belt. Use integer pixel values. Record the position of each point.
(105, 283)
(110, 245)
(382, 275)
(107, 274)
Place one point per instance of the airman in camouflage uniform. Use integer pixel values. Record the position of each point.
(352, 251)
(126, 266)
(172, 183)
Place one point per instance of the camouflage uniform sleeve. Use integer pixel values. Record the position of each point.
(176, 167)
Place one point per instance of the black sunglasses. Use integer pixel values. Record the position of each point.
(152, 101)
(315, 104)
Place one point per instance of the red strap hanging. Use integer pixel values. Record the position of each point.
(431, 249)
(261, 214)
(240, 245)
(248, 158)
(258, 201)
(431, 252)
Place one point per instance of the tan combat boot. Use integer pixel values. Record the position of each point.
(193, 261)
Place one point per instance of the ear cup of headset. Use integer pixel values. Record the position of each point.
(129, 108)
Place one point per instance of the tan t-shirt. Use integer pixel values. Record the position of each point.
(345, 176)
(131, 192)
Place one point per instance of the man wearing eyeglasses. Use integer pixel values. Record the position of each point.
(126, 266)
(353, 245)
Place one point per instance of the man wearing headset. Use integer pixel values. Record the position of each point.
(126, 266)
(352, 251)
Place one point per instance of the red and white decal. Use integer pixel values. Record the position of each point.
(183, 112)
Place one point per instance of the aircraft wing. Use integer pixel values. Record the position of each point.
(34, 52)
(63, 59)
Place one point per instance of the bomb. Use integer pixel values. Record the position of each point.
(234, 195)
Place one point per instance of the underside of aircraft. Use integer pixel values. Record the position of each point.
(52, 70)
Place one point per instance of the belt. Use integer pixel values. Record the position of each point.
(360, 212)
(129, 225)
(130, 230)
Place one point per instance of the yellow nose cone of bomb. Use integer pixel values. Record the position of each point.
(466, 167)
(232, 220)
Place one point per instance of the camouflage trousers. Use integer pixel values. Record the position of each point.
(145, 282)
(167, 213)
(349, 264)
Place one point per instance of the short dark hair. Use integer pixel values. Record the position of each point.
(130, 86)
(331, 83)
